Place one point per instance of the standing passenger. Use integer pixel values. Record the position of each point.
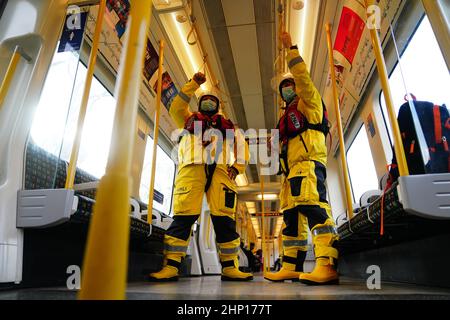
(303, 129)
(194, 179)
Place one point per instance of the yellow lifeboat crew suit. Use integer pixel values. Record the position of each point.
(303, 191)
(189, 189)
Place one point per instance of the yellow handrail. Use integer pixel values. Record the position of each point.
(263, 224)
(151, 191)
(104, 272)
(85, 99)
(208, 231)
(384, 78)
(337, 112)
(9, 75)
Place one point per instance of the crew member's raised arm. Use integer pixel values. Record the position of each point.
(179, 109)
(304, 86)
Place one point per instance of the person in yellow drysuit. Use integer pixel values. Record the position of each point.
(194, 177)
(303, 193)
(294, 236)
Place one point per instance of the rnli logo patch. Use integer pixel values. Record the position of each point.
(294, 120)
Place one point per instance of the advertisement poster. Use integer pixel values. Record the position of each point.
(349, 34)
(169, 91)
(72, 35)
(110, 47)
(151, 61)
(118, 12)
(353, 55)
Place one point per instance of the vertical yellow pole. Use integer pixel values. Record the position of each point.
(384, 78)
(281, 61)
(9, 75)
(85, 98)
(155, 133)
(104, 272)
(263, 224)
(337, 111)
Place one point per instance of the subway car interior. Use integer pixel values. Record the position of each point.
(90, 140)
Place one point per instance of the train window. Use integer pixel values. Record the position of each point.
(164, 179)
(55, 120)
(363, 176)
(424, 69)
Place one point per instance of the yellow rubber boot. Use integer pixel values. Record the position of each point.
(174, 251)
(290, 270)
(324, 272)
(231, 272)
(168, 273)
(228, 253)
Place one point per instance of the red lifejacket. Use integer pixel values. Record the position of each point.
(293, 123)
(216, 121)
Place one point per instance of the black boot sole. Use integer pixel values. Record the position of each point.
(312, 283)
(225, 278)
(151, 279)
(283, 280)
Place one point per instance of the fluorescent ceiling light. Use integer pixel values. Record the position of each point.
(168, 5)
(251, 207)
(241, 180)
(182, 37)
(268, 196)
(250, 204)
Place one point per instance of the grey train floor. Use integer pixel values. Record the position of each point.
(211, 288)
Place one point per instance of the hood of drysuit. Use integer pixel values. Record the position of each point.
(208, 105)
(287, 92)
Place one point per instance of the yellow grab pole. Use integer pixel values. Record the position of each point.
(384, 78)
(281, 62)
(155, 133)
(337, 111)
(85, 98)
(104, 272)
(9, 75)
(208, 232)
(263, 223)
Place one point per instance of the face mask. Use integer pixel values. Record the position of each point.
(288, 94)
(208, 106)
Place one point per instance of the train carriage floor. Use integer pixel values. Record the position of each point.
(211, 288)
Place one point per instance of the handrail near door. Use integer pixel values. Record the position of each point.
(337, 112)
(104, 272)
(155, 134)
(384, 78)
(10, 71)
(85, 99)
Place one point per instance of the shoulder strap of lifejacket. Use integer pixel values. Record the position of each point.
(437, 124)
(324, 125)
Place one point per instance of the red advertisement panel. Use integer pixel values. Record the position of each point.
(349, 34)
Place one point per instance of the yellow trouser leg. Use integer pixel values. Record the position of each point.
(295, 246)
(228, 253)
(174, 252)
(324, 236)
(222, 202)
(187, 204)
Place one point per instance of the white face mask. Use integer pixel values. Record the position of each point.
(288, 93)
(208, 105)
